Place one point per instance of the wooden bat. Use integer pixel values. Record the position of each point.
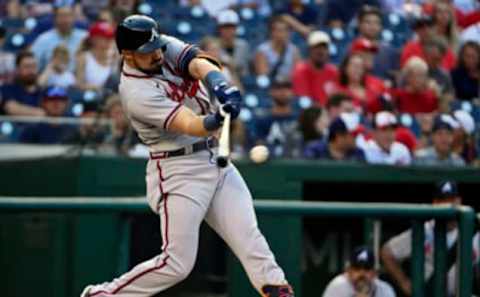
(224, 143)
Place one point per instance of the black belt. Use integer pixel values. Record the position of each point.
(196, 147)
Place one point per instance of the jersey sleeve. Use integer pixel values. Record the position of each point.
(179, 54)
(157, 109)
(401, 245)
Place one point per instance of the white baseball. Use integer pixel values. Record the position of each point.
(259, 154)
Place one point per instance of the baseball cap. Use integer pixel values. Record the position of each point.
(228, 17)
(465, 121)
(362, 44)
(318, 37)
(362, 257)
(344, 123)
(384, 119)
(55, 93)
(101, 29)
(444, 121)
(446, 189)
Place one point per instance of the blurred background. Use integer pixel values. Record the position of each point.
(354, 101)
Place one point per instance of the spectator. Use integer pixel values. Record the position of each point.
(340, 145)
(62, 33)
(7, 60)
(399, 248)
(463, 20)
(121, 137)
(339, 103)
(313, 122)
(56, 73)
(359, 279)
(415, 95)
(466, 75)
(353, 81)
(277, 56)
(441, 152)
(386, 58)
(91, 132)
(233, 51)
(403, 7)
(278, 129)
(98, 61)
(315, 77)
(212, 47)
(440, 79)
(340, 13)
(307, 14)
(54, 102)
(463, 136)
(382, 148)
(443, 15)
(424, 29)
(22, 98)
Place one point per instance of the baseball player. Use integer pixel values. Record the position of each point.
(165, 87)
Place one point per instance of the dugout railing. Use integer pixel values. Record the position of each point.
(418, 214)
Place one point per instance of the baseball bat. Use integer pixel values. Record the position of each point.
(224, 143)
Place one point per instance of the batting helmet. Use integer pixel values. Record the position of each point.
(139, 33)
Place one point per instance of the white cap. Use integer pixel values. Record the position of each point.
(465, 120)
(385, 119)
(318, 37)
(228, 17)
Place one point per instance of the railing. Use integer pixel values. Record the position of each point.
(464, 215)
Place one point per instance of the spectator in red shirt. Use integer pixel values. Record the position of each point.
(424, 30)
(462, 19)
(315, 77)
(353, 81)
(415, 96)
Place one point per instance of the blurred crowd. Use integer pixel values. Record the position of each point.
(378, 81)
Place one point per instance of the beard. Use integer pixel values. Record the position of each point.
(28, 80)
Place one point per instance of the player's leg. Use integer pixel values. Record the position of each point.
(180, 219)
(232, 216)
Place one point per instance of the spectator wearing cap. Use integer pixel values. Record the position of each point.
(424, 29)
(7, 60)
(386, 58)
(466, 75)
(278, 127)
(359, 279)
(54, 102)
(398, 250)
(315, 77)
(56, 73)
(22, 97)
(340, 144)
(463, 136)
(441, 151)
(276, 57)
(233, 50)
(97, 61)
(63, 33)
(354, 81)
(415, 95)
(382, 148)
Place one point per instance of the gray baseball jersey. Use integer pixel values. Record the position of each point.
(341, 286)
(185, 190)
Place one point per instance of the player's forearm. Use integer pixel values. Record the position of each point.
(200, 67)
(392, 267)
(187, 122)
(14, 108)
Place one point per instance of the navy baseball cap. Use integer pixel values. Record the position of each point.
(343, 124)
(362, 257)
(446, 189)
(444, 121)
(55, 92)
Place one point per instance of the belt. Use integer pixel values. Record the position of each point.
(190, 149)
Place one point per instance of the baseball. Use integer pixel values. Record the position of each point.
(259, 154)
